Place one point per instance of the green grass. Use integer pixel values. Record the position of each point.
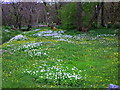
(90, 61)
(8, 33)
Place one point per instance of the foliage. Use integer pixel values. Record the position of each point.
(6, 27)
(68, 16)
(117, 25)
(88, 11)
(60, 60)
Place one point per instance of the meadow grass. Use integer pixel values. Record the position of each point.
(61, 60)
(8, 33)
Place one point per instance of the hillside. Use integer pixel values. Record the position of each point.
(46, 58)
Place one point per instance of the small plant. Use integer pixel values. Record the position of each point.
(116, 25)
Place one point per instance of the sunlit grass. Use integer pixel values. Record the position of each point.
(75, 60)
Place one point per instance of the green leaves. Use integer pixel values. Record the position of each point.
(68, 16)
(88, 9)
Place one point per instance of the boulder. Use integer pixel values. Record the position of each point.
(113, 87)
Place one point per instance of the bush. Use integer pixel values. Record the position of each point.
(88, 9)
(68, 16)
(116, 25)
(6, 27)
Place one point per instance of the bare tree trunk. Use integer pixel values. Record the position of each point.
(60, 4)
(19, 23)
(18, 16)
(79, 22)
(29, 23)
(57, 14)
(102, 14)
(49, 19)
(95, 15)
(48, 14)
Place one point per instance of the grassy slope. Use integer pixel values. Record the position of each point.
(92, 59)
(8, 33)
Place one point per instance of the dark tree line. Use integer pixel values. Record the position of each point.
(29, 14)
(100, 11)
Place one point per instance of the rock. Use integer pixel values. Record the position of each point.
(111, 86)
(19, 37)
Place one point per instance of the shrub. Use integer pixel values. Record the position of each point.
(6, 27)
(116, 25)
(68, 16)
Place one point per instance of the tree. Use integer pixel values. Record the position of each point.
(102, 14)
(48, 16)
(16, 11)
(75, 15)
(18, 14)
(79, 15)
(68, 16)
(94, 17)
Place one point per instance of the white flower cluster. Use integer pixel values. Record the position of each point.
(19, 37)
(48, 33)
(63, 36)
(89, 37)
(29, 46)
(36, 52)
(56, 72)
(33, 49)
(59, 34)
(7, 30)
(36, 29)
(106, 35)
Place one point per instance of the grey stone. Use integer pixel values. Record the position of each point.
(111, 87)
